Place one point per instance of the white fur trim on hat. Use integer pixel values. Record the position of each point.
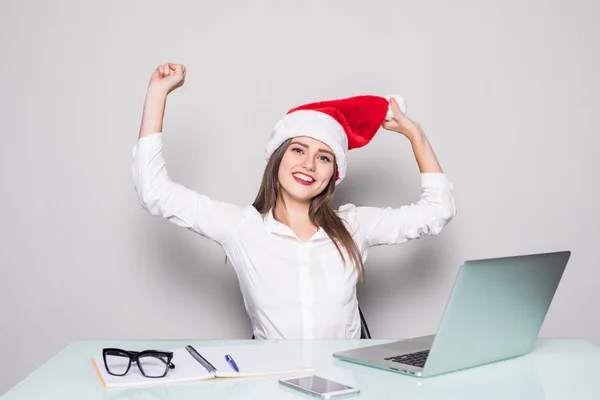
(316, 125)
(401, 103)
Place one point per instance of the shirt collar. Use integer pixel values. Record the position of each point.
(277, 227)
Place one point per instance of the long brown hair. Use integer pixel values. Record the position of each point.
(320, 212)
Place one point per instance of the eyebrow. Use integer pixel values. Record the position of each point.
(306, 147)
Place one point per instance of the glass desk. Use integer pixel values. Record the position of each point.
(555, 369)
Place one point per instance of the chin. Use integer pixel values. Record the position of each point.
(298, 194)
(302, 197)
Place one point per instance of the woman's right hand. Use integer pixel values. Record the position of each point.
(167, 77)
(164, 80)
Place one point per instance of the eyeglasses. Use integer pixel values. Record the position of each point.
(151, 363)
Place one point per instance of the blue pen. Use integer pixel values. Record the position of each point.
(231, 362)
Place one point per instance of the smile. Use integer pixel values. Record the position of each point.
(303, 179)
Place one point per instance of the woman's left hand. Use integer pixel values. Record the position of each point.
(401, 123)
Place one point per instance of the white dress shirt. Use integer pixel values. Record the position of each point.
(291, 289)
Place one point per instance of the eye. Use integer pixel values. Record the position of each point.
(324, 158)
(298, 150)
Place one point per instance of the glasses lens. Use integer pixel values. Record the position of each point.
(154, 365)
(116, 363)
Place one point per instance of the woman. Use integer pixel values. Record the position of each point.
(297, 260)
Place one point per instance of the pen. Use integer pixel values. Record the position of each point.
(209, 367)
(231, 362)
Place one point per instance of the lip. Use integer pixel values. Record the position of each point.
(300, 181)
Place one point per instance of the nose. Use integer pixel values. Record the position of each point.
(308, 164)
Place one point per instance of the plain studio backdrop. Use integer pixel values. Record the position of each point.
(507, 92)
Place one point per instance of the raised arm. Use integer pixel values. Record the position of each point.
(432, 212)
(424, 154)
(163, 81)
(157, 193)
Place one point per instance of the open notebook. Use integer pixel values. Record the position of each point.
(251, 360)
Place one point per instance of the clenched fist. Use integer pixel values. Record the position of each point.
(167, 77)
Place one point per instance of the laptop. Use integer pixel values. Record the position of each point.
(495, 312)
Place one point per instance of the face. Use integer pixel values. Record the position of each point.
(306, 168)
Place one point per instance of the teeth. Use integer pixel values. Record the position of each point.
(303, 177)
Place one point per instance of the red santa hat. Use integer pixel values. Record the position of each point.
(343, 124)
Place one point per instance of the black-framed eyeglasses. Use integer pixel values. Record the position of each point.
(151, 363)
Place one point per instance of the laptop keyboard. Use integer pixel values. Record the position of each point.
(416, 359)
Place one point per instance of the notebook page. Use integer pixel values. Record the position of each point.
(186, 370)
(256, 360)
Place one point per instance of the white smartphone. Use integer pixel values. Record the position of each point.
(318, 386)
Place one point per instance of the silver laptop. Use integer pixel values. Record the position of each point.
(495, 312)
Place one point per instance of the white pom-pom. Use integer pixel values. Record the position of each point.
(401, 103)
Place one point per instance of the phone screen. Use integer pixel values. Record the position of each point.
(318, 384)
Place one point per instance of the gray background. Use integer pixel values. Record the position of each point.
(508, 93)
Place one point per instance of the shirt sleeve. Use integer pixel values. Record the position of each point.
(387, 226)
(160, 196)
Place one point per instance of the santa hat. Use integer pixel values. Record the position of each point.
(343, 124)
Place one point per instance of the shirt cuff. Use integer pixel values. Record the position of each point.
(149, 142)
(435, 179)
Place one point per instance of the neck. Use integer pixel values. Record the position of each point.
(291, 212)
